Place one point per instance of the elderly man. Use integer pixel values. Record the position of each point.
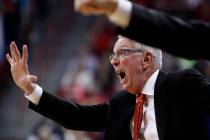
(189, 39)
(152, 106)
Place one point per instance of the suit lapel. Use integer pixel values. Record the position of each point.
(121, 113)
(161, 104)
(130, 112)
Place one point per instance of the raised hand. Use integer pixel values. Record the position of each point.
(95, 7)
(19, 68)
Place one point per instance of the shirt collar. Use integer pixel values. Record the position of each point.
(149, 87)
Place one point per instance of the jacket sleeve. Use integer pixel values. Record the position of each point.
(189, 39)
(71, 115)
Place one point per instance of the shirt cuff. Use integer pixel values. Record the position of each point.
(121, 16)
(35, 96)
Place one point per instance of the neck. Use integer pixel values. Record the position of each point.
(148, 74)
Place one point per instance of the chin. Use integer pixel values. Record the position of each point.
(125, 87)
(132, 91)
(129, 90)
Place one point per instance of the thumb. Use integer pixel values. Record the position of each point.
(33, 78)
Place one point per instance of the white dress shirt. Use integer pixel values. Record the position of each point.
(148, 127)
(35, 96)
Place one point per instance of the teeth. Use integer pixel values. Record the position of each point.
(120, 74)
(117, 71)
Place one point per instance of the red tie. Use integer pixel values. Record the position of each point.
(138, 115)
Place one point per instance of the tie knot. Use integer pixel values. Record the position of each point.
(140, 98)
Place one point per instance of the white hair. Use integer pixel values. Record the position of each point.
(157, 53)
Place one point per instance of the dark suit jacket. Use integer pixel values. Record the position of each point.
(182, 103)
(190, 39)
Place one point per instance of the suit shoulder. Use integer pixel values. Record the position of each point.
(121, 96)
(188, 76)
(186, 73)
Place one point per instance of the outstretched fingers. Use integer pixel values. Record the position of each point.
(25, 54)
(9, 59)
(15, 56)
(14, 52)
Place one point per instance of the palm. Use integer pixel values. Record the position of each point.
(19, 72)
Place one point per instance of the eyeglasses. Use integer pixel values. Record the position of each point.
(123, 52)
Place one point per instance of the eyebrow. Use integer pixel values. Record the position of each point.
(123, 47)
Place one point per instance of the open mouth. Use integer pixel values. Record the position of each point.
(120, 74)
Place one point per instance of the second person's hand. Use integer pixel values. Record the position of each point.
(95, 7)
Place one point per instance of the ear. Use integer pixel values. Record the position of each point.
(147, 60)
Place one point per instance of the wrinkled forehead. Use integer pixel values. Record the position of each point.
(123, 43)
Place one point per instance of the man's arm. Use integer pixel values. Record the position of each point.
(70, 115)
(188, 39)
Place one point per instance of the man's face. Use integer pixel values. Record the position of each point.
(129, 66)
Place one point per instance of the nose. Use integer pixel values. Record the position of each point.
(115, 61)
